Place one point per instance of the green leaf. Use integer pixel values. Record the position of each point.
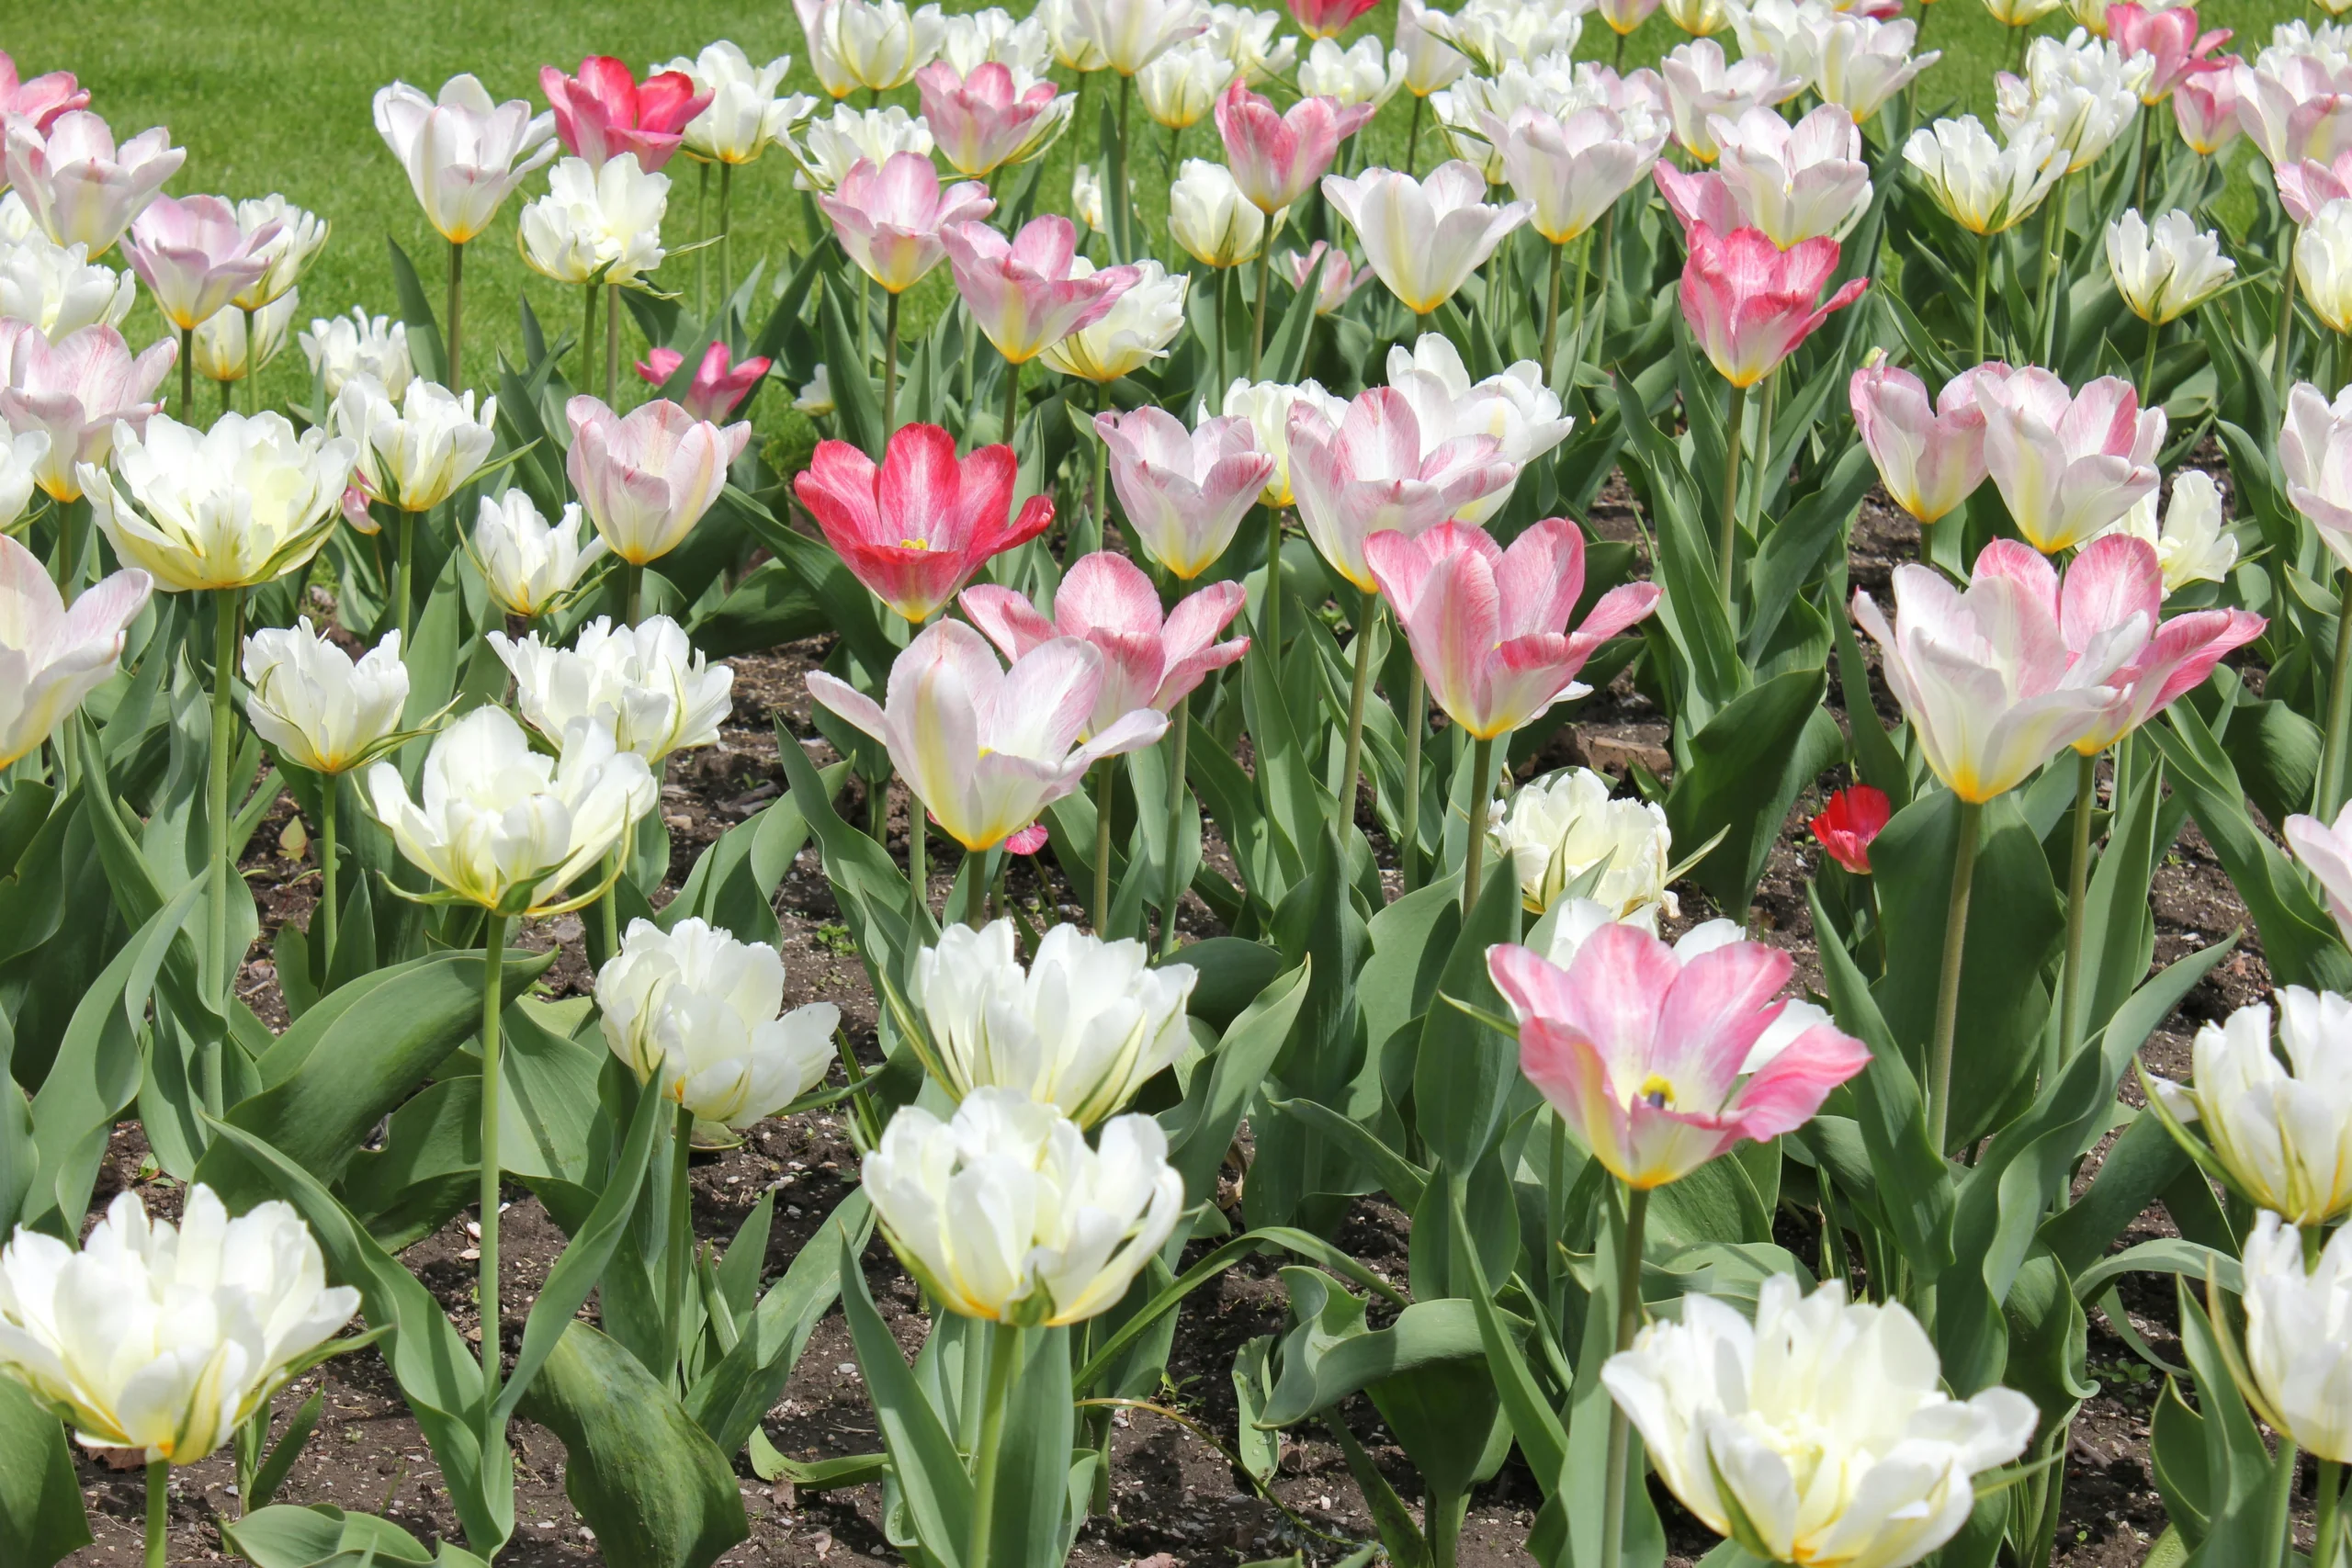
(425, 347)
(923, 1458)
(1033, 1466)
(1466, 1073)
(1742, 769)
(265, 1481)
(857, 402)
(729, 1398)
(41, 1500)
(1423, 1334)
(323, 1536)
(1201, 1128)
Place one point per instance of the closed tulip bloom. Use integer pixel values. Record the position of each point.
(1515, 407)
(1572, 169)
(1749, 303)
(1185, 492)
(78, 391)
(1327, 269)
(1371, 473)
(991, 116)
(1321, 19)
(825, 61)
(317, 707)
(300, 235)
(596, 224)
(1276, 157)
(1246, 37)
(2294, 108)
(1819, 1434)
(1267, 407)
(2314, 460)
(1700, 19)
(2166, 272)
(342, 348)
(52, 655)
(2323, 264)
(1987, 187)
(645, 683)
(462, 152)
(2168, 36)
(1701, 85)
(1136, 331)
(1084, 1027)
(1494, 33)
(2205, 106)
(2193, 546)
(603, 111)
(1929, 456)
(1846, 823)
(1985, 678)
(717, 388)
(20, 457)
(40, 100)
(988, 749)
(915, 528)
(1787, 32)
(1210, 218)
(2067, 464)
(1561, 831)
(693, 1011)
(79, 188)
(1795, 183)
(2281, 1131)
(1148, 660)
(1004, 1213)
(242, 503)
(1424, 237)
(748, 109)
(2327, 854)
(166, 1340)
(2298, 1322)
(2019, 13)
(192, 257)
(417, 454)
(508, 828)
(815, 398)
(1363, 74)
(1625, 17)
(1181, 87)
(882, 43)
(889, 219)
(1430, 62)
(1125, 36)
(1073, 47)
(1864, 63)
(57, 289)
(1490, 626)
(646, 479)
(2305, 187)
(1024, 292)
(529, 564)
(830, 148)
(1086, 197)
(1649, 1053)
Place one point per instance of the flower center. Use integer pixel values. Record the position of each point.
(1656, 1092)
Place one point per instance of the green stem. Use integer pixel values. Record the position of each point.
(2280, 367)
(633, 592)
(456, 314)
(1003, 1342)
(492, 1081)
(2277, 1526)
(588, 327)
(725, 237)
(1727, 536)
(1482, 767)
(2070, 1017)
(1171, 887)
(404, 587)
(918, 831)
(1551, 309)
(2147, 156)
(159, 1510)
(976, 886)
(889, 366)
(2339, 710)
(611, 342)
(2148, 368)
(2054, 245)
(1408, 808)
(608, 904)
(1224, 287)
(1984, 266)
(702, 252)
(186, 411)
(1759, 461)
(1584, 273)
(1963, 874)
(1629, 1322)
(328, 910)
(225, 604)
(1608, 272)
(1102, 472)
(1270, 614)
(1367, 611)
(1413, 138)
(2331, 1497)
(1106, 793)
(682, 1232)
(1013, 405)
(253, 368)
(1257, 325)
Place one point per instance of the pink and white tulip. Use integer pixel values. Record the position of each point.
(1931, 456)
(1024, 292)
(2295, 108)
(1571, 169)
(985, 748)
(40, 100)
(1327, 269)
(2326, 852)
(79, 186)
(77, 390)
(1664, 1058)
(1369, 474)
(889, 219)
(1184, 492)
(1865, 62)
(1148, 660)
(916, 528)
(718, 387)
(2168, 36)
(605, 112)
(2205, 106)
(52, 655)
(2316, 461)
(646, 479)
(2067, 464)
(2305, 187)
(1750, 303)
(1490, 626)
(989, 118)
(1795, 183)
(463, 153)
(1276, 157)
(1701, 85)
(1424, 237)
(1325, 18)
(194, 257)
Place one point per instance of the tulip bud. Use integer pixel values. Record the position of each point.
(1987, 187)
(646, 479)
(1211, 218)
(1185, 492)
(528, 564)
(55, 656)
(316, 707)
(2194, 545)
(2298, 1324)
(1847, 822)
(2276, 1132)
(339, 350)
(222, 352)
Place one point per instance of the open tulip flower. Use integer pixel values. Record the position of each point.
(1181, 88)
(1425, 237)
(2325, 852)
(874, 44)
(646, 682)
(1277, 156)
(2298, 1321)
(192, 256)
(1749, 303)
(603, 111)
(830, 147)
(1571, 168)
(1515, 407)
(2163, 273)
(79, 188)
(1365, 74)
(2278, 1132)
(415, 456)
(528, 564)
(1324, 19)
(2067, 464)
(747, 113)
(316, 706)
(57, 289)
(1135, 330)
(2205, 106)
(694, 1010)
(53, 656)
(1371, 473)
(1702, 86)
(1865, 62)
(1124, 36)
(1650, 1052)
(890, 220)
(1846, 823)
(43, 99)
(1930, 456)
(2305, 187)
(915, 528)
(1184, 492)
(2315, 460)
(645, 481)
(1148, 660)
(1489, 625)
(1024, 292)
(719, 387)
(235, 506)
(1986, 186)
(2294, 108)
(461, 151)
(2168, 36)
(1795, 182)
(991, 115)
(80, 391)
(358, 344)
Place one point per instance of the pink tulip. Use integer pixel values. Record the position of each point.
(1369, 475)
(77, 389)
(1572, 168)
(1024, 291)
(889, 219)
(1326, 268)
(2298, 108)
(1184, 492)
(916, 528)
(1750, 303)
(2305, 187)
(603, 112)
(981, 122)
(1697, 199)
(1105, 600)
(1276, 158)
(1663, 1059)
(984, 748)
(2067, 465)
(716, 388)
(2205, 105)
(80, 187)
(2113, 582)
(1489, 626)
(1327, 19)
(52, 655)
(40, 100)
(2170, 37)
(1931, 457)
(646, 479)
(191, 252)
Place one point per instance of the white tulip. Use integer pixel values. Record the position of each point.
(2323, 264)
(1267, 405)
(1082, 1029)
(2298, 1334)
(1360, 74)
(460, 150)
(1430, 62)
(1209, 217)
(75, 184)
(1005, 1214)
(57, 289)
(1515, 408)
(748, 108)
(815, 399)
(1493, 33)
(1572, 167)
(218, 345)
(825, 62)
(1073, 46)
(1795, 182)
(2283, 1131)
(1181, 87)
(51, 657)
(166, 1338)
(644, 684)
(2193, 546)
(1424, 238)
(529, 563)
(1136, 331)
(1470, 109)
(316, 707)
(1865, 62)
(1701, 85)
(242, 503)
(1566, 832)
(301, 235)
(1791, 33)
(1819, 1434)
(360, 346)
(596, 224)
(976, 38)
(1246, 39)
(20, 464)
(1986, 186)
(879, 44)
(416, 455)
(2083, 91)
(2166, 272)
(1125, 36)
(829, 147)
(1086, 196)
(500, 825)
(696, 1009)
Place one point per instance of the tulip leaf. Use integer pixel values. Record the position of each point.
(770, 606)
(1200, 1130)
(923, 1458)
(1794, 551)
(1691, 618)
(731, 1395)
(1231, 973)
(41, 1517)
(2143, 1163)
(1466, 1073)
(1424, 1334)
(857, 402)
(848, 606)
(425, 347)
(323, 1536)
(1741, 772)
(2165, 1255)
(1032, 1492)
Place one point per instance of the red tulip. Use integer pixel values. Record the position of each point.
(1847, 824)
(1327, 19)
(716, 388)
(605, 112)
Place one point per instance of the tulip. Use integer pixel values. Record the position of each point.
(1749, 303)
(2277, 1131)
(916, 528)
(1625, 17)
(879, 43)
(1322, 19)
(238, 505)
(1211, 218)
(1325, 269)
(1987, 187)
(1701, 87)
(2168, 37)
(744, 114)
(1787, 32)
(1494, 33)
(1083, 1028)
(1370, 472)
(40, 100)
(2297, 1318)
(2323, 264)
(1559, 833)
(2327, 854)
(316, 707)
(990, 116)
(2205, 106)
(58, 290)
(645, 683)
(193, 258)
(53, 655)
(1362, 74)
(2314, 460)
(300, 236)
(2294, 108)
(1185, 492)
(717, 389)
(1515, 407)
(596, 224)
(1572, 169)
(460, 150)
(1931, 457)
(646, 479)
(1700, 19)
(1136, 331)
(889, 219)
(220, 348)
(2019, 13)
(815, 398)
(376, 347)
(1846, 823)
(2082, 90)
(1276, 158)
(416, 454)
(2193, 546)
(974, 38)
(695, 1011)
(1125, 36)
(1267, 406)
(1181, 87)
(1025, 293)
(1246, 39)
(1430, 62)
(604, 112)
(1004, 1215)
(528, 564)
(1795, 183)
(825, 61)
(984, 748)
(20, 457)
(78, 186)
(79, 391)
(2067, 465)
(1820, 1434)
(1424, 237)
(2163, 273)
(1865, 63)
(2305, 187)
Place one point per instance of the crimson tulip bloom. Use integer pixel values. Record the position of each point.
(716, 388)
(985, 120)
(1750, 303)
(40, 100)
(605, 112)
(916, 528)
(1847, 824)
(2170, 37)
(1024, 291)
(1276, 158)
(1327, 19)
